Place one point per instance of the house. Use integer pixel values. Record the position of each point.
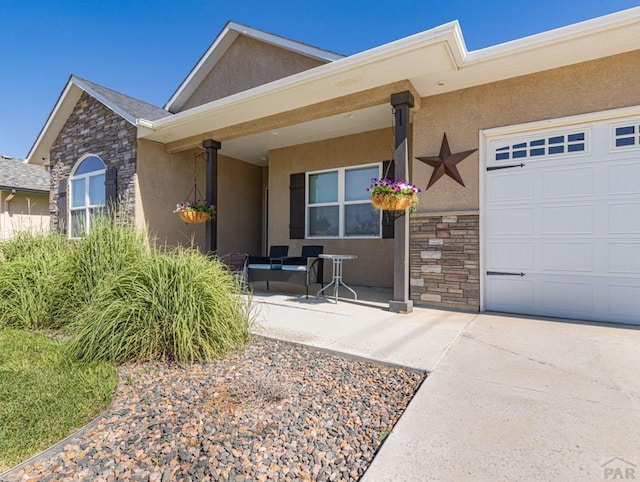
(24, 197)
(530, 150)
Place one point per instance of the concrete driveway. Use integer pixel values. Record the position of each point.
(508, 398)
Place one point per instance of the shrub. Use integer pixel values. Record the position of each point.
(112, 246)
(178, 306)
(34, 277)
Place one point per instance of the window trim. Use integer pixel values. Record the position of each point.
(87, 206)
(341, 202)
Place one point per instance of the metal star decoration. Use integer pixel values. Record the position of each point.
(445, 163)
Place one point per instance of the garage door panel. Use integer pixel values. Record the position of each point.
(624, 179)
(573, 257)
(624, 218)
(624, 258)
(518, 187)
(511, 221)
(567, 297)
(624, 301)
(504, 256)
(567, 220)
(567, 183)
(510, 293)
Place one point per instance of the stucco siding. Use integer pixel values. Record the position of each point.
(374, 266)
(23, 212)
(166, 179)
(163, 181)
(248, 63)
(587, 87)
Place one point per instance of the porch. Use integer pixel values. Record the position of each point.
(363, 328)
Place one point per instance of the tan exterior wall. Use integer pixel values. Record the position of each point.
(24, 212)
(239, 206)
(166, 179)
(582, 88)
(374, 266)
(246, 64)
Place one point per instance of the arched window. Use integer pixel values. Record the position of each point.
(88, 194)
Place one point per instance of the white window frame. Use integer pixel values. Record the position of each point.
(87, 206)
(341, 202)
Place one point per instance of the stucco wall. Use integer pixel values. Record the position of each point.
(374, 266)
(93, 128)
(246, 64)
(24, 212)
(166, 179)
(581, 88)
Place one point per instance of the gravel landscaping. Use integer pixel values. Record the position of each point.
(272, 411)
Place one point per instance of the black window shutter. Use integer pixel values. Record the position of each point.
(62, 206)
(296, 206)
(388, 219)
(111, 184)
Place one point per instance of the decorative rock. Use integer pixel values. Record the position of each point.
(195, 422)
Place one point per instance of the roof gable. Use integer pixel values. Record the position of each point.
(294, 57)
(126, 107)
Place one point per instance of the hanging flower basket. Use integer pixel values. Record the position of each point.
(194, 212)
(194, 217)
(392, 195)
(392, 202)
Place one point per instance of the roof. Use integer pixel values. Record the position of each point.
(432, 62)
(222, 43)
(126, 107)
(17, 174)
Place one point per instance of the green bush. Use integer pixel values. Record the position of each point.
(178, 306)
(34, 279)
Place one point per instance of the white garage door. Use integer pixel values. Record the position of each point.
(562, 222)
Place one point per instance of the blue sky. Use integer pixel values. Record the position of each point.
(145, 48)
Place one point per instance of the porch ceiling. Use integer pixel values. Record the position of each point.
(255, 148)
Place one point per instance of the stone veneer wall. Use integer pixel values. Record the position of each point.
(445, 252)
(93, 128)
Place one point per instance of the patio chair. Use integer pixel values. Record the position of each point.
(305, 269)
(277, 253)
(237, 265)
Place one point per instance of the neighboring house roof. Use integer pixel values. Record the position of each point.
(127, 107)
(17, 174)
(221, 44)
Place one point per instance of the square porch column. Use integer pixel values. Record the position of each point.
(402, 102)
(211, 193)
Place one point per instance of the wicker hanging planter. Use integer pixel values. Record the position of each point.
(392, 202)
(194, 217)
(199, 210)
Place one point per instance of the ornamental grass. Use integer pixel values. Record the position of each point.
(177, 306)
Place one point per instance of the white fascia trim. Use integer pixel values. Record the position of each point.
(294, 46)
(449, 33)
(99, 97)
(222, 43)
(63, 100)
(56, 108)
(555, 36)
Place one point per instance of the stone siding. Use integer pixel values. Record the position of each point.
(93, 128)
(445, 253)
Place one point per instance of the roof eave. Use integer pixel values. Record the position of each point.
(327, 75)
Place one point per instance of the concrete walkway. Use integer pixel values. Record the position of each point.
(509, 398)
